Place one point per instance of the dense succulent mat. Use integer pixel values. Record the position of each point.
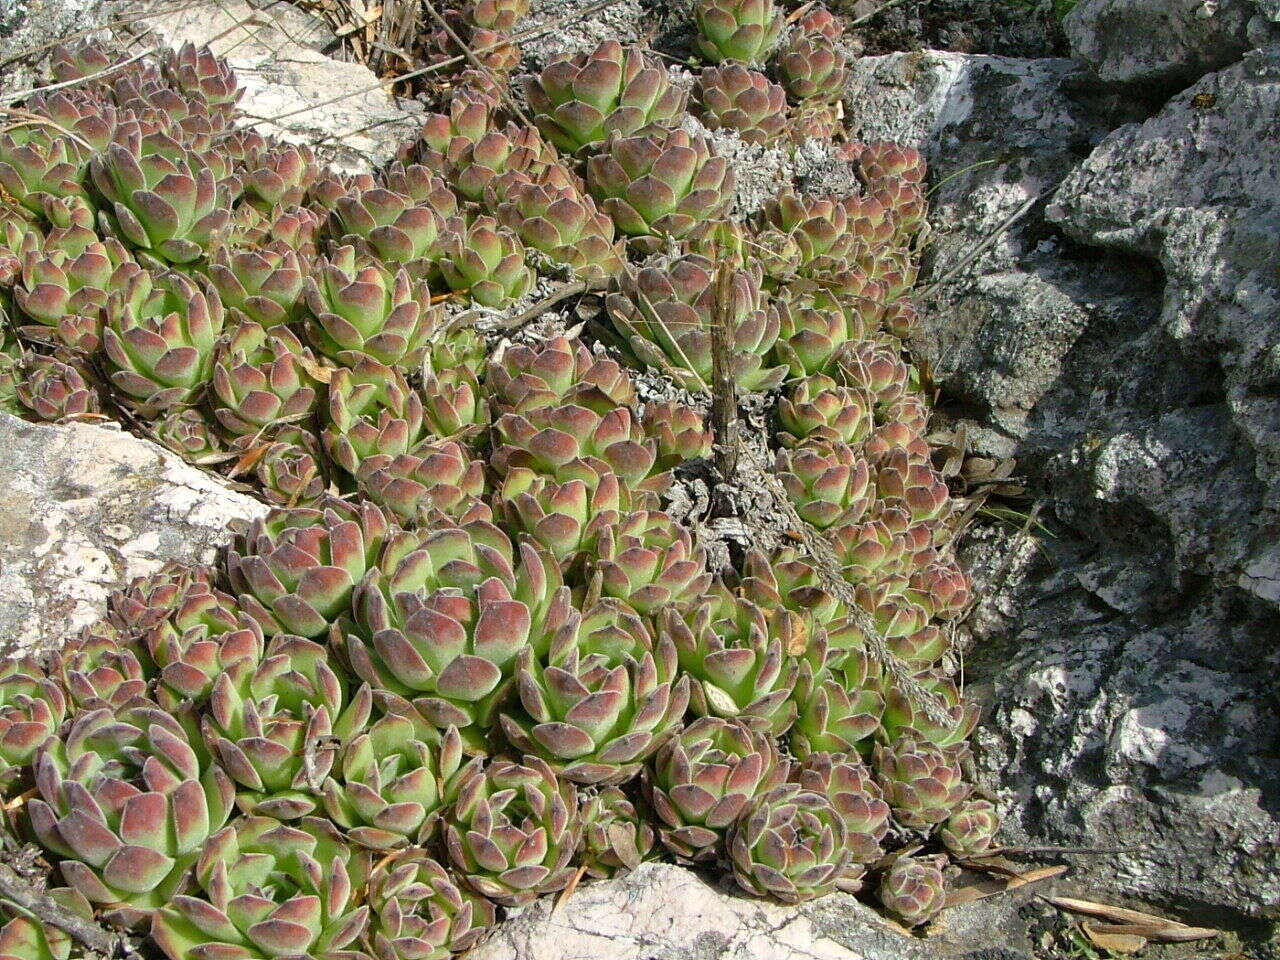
(468, 657)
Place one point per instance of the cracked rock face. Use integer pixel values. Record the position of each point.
(1118, 339)
(83, 510)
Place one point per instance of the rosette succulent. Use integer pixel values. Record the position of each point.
(789, 844)
(839, 703)
(268, 889)
(574, 442)
(420, 913)
(188, 432)
(902, 718)
(100, 669)
(372, 412)
(391, 227)
(702, 779)
(812, 67)
(971, 830)
(564, 223)
(359, 310)
(197, 73)
(278, 175)
(913, 889)
(847, 783)
(129, 803)
(651, 563)
(265, 285)
(159, 339)
(486, 261)
(291, 472)
(820, 411)
(437, 477)
(921, 782)
(64, 294)
(666, 311)
(615, 837)
(260, 379)
(829, 483)
(512, 829)
(388, 783)
(295, 569)
(665, 184)
(500, 15)
(439, 627)
(565, 518)
(580, 101)
(561, 371)
(743, 30)
(680, 432)
(53, 390)
(735, 98)
(163, 198)
(32, 707)
(273, 724)
(601, 699)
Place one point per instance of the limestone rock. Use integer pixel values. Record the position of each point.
(665, 912)
(1165, 44)
(83, 510)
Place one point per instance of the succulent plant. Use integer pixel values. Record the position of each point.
(971, 830)
(486, 261)
(884, 160)
(457, 352)
(146, 601)
(820, 227)
(615, 837)
(580, 101)
(789, 844)
(561, 371)
(563, 222)
(666, 311)
(196, 72)
(840, 704)
(99, 668)
(159, 339)
(941, 588)
(574, 442)
(819, 20)
(291, 472)
(651, 563)
(512, 829)
(820, 411)
(500, 15)
(36, 165)
(294, 570)
(735, 98)
(439, 627)
(739, 660)
(53, 390)
(372, 412)
(812, 341)
(439, 477)
(829, 483)
(273, 725)
(24, 936)
(392, 228)
(163, 198)
(358, 310)
(914, 485)
(265, 285)
(812, 67)
(876, 368)
(281, 228)
(32, 707)
(565, 518)
(742, 30)
(666, 184)
(389, 783)
(188, 432)
(129, 803)
(64, 294)
(422, 185)
(904, 719)
(847, 783)
(913, 889)
(601, 699)
(700, 781)
(269, 889)
(260, 379)
(867, 550)
(921, 781)
(680, 432)
(815, 120)
(420, 913)
(278, 175)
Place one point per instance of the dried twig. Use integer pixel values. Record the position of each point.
(561, 293)
(477, 62)
(724, 395)
(981, 248)
(46, 910)
(105, 72)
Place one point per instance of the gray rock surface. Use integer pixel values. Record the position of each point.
(28, 28)
(1165, 44)
(665, 912)
(83, 510)
(1122, 347)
